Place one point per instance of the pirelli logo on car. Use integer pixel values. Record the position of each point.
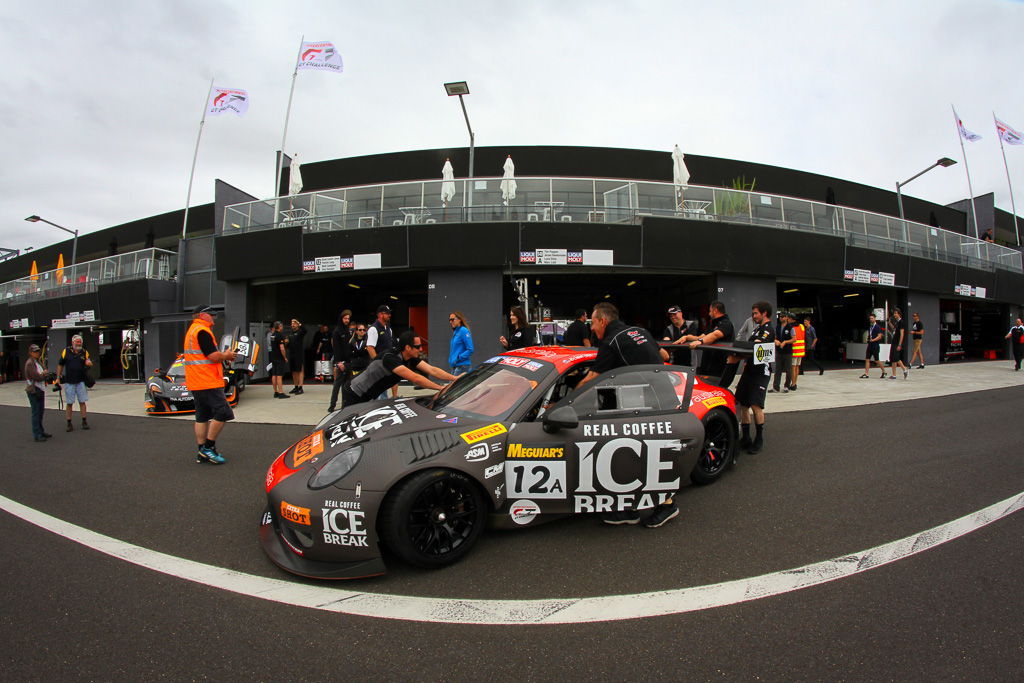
(293, 513)
(310, 447)
(518, 451)
(714, 402)
(484, 433)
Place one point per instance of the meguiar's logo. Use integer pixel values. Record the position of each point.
(520, 451)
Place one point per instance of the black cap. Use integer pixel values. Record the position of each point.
(202, 308)
(32, 348)
(674, 309)
(383, 308)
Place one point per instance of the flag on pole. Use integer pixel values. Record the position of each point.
(227, 99)
(964, 133)
(319, 56)
(1007, 134)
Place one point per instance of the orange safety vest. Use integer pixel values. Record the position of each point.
(200, 371)
(799, 336)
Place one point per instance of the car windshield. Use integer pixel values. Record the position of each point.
(177, 369)
(494, 390)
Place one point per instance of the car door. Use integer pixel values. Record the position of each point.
(629, 449)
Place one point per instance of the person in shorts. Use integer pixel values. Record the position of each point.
(204, 377)
(753, 384)
(875, 336)
(278, 359)
(72, 368)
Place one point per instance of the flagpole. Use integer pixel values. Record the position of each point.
(1013, 204)
(284, 135)
(195, 155)
(974, 210)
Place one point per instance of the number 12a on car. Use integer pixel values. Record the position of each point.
(535, 471)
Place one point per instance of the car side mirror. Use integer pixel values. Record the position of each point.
(562, 417)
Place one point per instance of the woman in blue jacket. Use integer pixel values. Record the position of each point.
(460, 354)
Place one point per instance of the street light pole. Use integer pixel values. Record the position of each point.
(74, 245)
(461, 88)
(944, 161)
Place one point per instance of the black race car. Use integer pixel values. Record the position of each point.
(513, 442)
(166, 393)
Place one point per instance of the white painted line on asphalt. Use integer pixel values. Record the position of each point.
(508, 612)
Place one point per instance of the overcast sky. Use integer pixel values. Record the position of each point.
(102, 100)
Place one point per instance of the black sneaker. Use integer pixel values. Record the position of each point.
(70, 427)
(281, 396)
(295, 390)
(85, 425)
(622, 517)
(662, 514)
(756, 445)
(298, 390)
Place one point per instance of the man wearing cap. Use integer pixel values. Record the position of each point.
(783, 353)
(204, 377)
(391, 367)
(676, 331)
(753, 384)
(71, 369)
(380, 338)
(35, 387)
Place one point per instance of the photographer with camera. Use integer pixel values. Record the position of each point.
(72, 372)
(36, 378)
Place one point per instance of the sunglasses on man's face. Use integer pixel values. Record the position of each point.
(360, 329)
(451, 320)
(416, 346)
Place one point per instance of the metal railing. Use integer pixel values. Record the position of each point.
(81, 278)
(609, 200)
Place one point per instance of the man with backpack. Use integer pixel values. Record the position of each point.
(72, 369)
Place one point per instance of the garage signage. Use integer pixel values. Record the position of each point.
(570, 257)
(968, 290)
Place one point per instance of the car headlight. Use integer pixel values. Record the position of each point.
(336, 468)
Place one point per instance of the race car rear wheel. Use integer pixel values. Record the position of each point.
(433, 518)
(719, 447)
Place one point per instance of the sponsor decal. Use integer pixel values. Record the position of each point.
(407, 412)
(452, 420)
(343, 504)
(308, 266)
(536, 479)
(294, 513)
(358, 426)
(440, 416)
(513, 361)
(523, 511)
(495, 447)
(484, 433)
(517, 451)
(533, 366)
(347, 263)
(576, 357)
(764, 354)
(498, 491)
(308, 448)
(575, 257)
(478, 453)
(493, 359)
(848, 274)
(527, 257)
(631, 428)
(600, 491)
(713, 402)
(267, 519)
(344, 527)
(494, 470)
(297, 551)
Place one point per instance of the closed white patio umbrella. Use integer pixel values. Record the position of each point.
(447, 182)
(508, 181)
(680, 174)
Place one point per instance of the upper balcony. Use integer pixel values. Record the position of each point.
(607, 200)
(82, 278)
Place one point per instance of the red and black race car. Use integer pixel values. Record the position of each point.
(514, 443)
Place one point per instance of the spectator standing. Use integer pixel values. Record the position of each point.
(1016, 337)
(753, 386)
(341, 353)
(296, 351)
(380, 338)
(783, 352)
(35, 387)
(321, 352)
(359, 355)
(521, 334)
(987, 236)
(799, 350)
(578, 333)
(898, 345)
(811, 338)
(204, 377)
(676, 332)
(624, 345)
(460, 352)
(388, 369)
(917, 336)
(278, 359)
(875, 336)
(71, 370)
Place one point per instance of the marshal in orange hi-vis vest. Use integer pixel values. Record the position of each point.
(799, 337)
(200, 372)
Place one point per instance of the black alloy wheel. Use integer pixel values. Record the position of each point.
(718, 449)
(433, 518)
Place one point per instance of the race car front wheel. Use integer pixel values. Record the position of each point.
(433, 518)
(718, 449)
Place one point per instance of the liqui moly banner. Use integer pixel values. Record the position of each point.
(228, 99)
(320, 56)
(1007, 134)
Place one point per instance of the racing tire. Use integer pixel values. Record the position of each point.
(433, 518)
(719, 447)
(241, 381)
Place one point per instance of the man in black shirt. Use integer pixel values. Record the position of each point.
(278, 359)
(783, 352)
(624, 345)
(676, 333)
(390, 368)
(720, 329)
(753, 386)
(296, 354)
(577, 334)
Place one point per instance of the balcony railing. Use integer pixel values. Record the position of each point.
(605, 200)
(81, 278)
